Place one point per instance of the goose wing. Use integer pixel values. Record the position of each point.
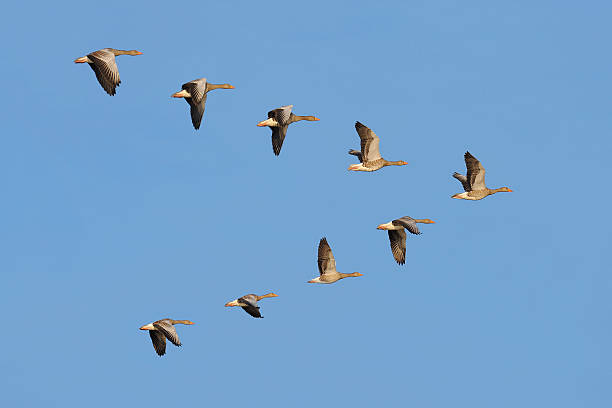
(197, 101)
(356, 153)
(168, 330)
(475, 172)
(464, 181)
(278, 137)
(281, 115)
(397, 239)
(408, 223)
(325, 258)
(250, 306)
(104, 66)
(369, 143)
(159, 341)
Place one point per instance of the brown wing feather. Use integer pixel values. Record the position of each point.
(104, 66)
(397, 239)
(159, 341)
(369, 143)
(325, 258)
(475, 172)
(168, 330)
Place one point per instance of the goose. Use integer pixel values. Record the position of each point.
(369, 157)
(194, 93)
(161, 330)
(279, 120)
(397, 235)
(327, 265)
(474, 183)
(103, 64)
(249, 303)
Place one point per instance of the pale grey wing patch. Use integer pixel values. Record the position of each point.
(475, 172)
(278, 137)
(196, 111)
(169, 331)
(104, 66)
(196, 88)
(325, 258)
(409, 224)
(159, 341)
(463, 180)
(397, 239)
(356, 153)
(369, 143)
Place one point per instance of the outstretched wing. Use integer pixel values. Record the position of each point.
(278, 137)
(159, 341)
(168, 330)
(197, 111)
(281, 115)
(369, 143)
(356, 153)
(250, 306)
(463, 180)
(104, 66)
(475, 172)
(408, 223)
(397, 239)
(325, 258)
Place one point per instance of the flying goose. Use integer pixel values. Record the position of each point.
(327, 266)
(194, 93)
(279, 120)
(103, 64)
(397, 235)
(249, 303)
(369, 157)
(161, 330)
(474, 183)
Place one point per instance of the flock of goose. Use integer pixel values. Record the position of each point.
(102, 62)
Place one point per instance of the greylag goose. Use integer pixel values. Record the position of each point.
(474, 183)
(279, 120)
(194, 93)
(369, 157)
(249, 303)
(397, 235)
(327, 265)
(161, 330)
(103, 64)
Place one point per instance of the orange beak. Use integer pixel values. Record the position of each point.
(317, 119)
(311, 281)
(260, 124)
(138, 53)
(509, 190)
(380, 227)
(81, 60)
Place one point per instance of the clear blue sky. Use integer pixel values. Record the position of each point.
(117, 213)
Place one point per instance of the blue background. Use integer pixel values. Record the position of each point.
(116, 213)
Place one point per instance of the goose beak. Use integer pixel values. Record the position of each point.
(260, 124)
(311, 281)
(232, 303)
(81, 60)
(380, 227)
(509, 190)
(148, 327)
(181, 94)
(316, 119)
(231, 87)
(138, 53)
